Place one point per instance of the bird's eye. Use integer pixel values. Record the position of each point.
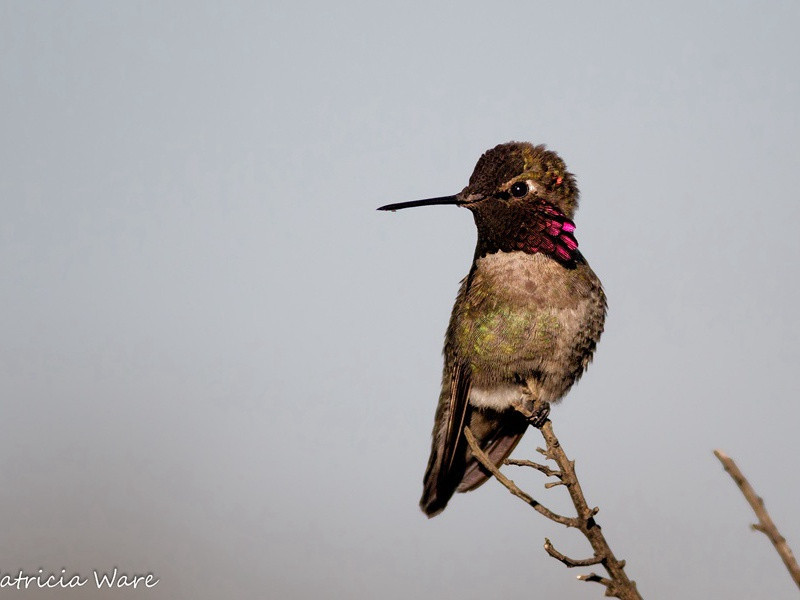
(519, 189)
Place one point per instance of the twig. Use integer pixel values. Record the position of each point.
(570, 562)
(533, 465)
(512, 487)
(618, 585)
(765, 524)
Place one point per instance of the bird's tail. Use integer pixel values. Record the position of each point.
(497, 434)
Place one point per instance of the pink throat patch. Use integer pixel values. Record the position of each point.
(552, 234)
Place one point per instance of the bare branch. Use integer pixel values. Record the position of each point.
(765, 524)
(533, 465)
(570, 562)
(612, 589)
(511, 486)
(618, 585)
(597, 578)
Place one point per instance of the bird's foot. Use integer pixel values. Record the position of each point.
(534, 410)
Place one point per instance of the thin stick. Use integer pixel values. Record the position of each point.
(512, 487)
(570, 562)
(765, 524)
(533, 465)
(618, 585)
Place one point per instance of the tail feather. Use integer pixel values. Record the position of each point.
(497, 434)
(497, 447)
(443, 475)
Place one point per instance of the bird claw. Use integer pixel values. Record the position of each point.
(534, 411)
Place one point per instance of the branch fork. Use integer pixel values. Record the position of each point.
(617, 584)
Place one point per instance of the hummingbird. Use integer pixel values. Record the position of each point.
(526, 320)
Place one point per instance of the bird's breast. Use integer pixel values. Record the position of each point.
(524, 315)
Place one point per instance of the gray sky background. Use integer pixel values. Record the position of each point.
(220, 364)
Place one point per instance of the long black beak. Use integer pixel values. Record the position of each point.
(427, 202)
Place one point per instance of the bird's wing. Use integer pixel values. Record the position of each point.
(459, 403)
(447, 461)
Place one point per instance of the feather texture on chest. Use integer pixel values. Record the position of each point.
(524, 319)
